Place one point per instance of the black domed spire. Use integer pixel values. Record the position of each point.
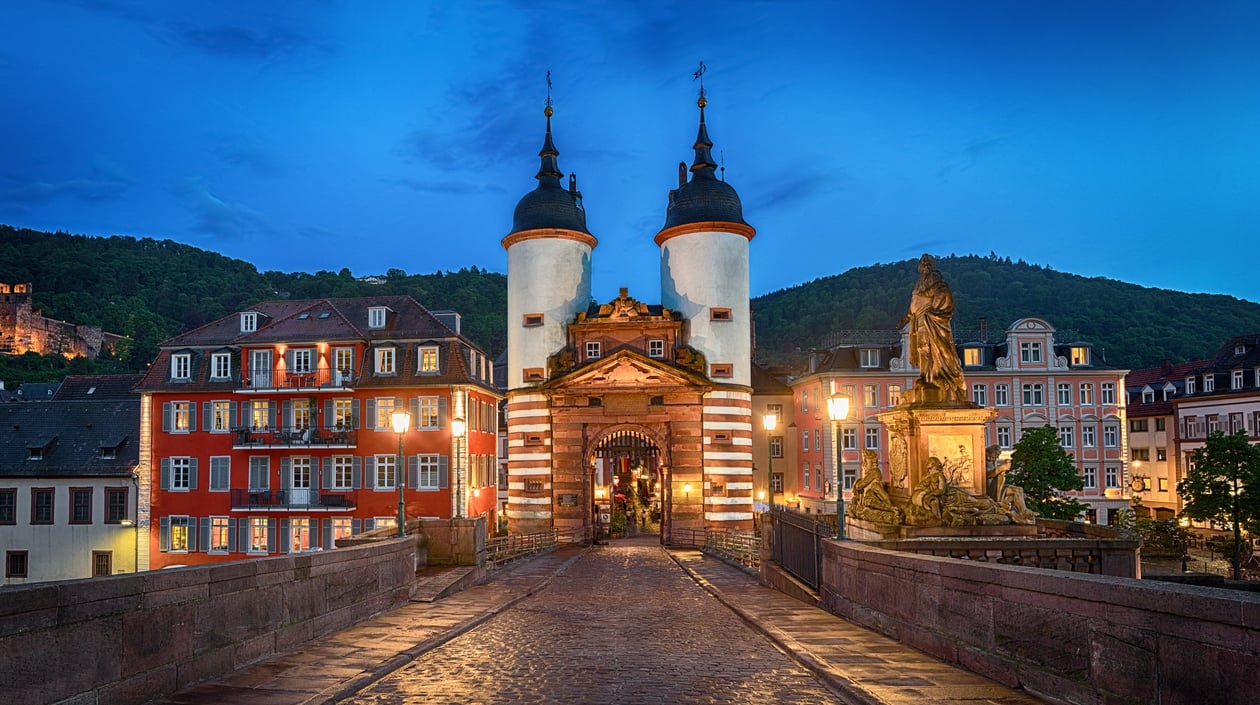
(705, 198)
(550, 205)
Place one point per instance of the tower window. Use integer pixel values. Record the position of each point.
(533, 320)
(593, 349)
(656, 348)
(723, 369)
(532, 374)
(720, 314)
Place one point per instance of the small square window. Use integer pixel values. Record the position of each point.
(656, 348)
(15, 564)
(533, 485)
(533, 320)
(720, 314)
(593, 349)
(721, 436)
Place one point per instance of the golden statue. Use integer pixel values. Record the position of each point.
(931, 339)
(870, 498)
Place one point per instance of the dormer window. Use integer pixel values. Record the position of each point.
(385, 361)
(1189, 385)
(428, 355)
(1209, 382)
(868, 357)
(1148, 395)
(1236, 380)
(971, 357)
(1030, 352)
(376, 317)
(220, 366)
(593, 349)
(1080, 356)
(181, 367)
(1240, 349)
(249, 322)
(34, 453)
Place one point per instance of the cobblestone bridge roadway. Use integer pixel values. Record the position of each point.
(624, 624)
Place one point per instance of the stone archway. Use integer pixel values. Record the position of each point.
(628, 468)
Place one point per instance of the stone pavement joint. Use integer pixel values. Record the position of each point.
(858, 664)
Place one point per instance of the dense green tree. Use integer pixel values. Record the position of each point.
(1044, 470)
(1222, 485)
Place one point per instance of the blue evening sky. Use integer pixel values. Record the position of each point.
(1102, 138)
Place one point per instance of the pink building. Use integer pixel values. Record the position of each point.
(1031, 378)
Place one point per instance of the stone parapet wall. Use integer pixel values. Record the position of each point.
(1066, 637)
(1098, 556)
(128, 639)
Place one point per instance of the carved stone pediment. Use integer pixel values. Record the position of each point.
(626, 369)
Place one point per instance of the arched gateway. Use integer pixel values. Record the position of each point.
(628, 391)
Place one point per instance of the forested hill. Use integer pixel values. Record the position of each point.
(151, 290)
(1134, 326)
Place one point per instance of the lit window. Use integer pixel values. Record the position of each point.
(179, 534)
(181, 367)
(894, 394)
(220, 416)
(1087, 394)
(383, 414)
(870, 395)
(428, 413)
(299, 534)
(181, 416)
(302, 412)
(342, 527)
(971, 357)
(343, 414)
(259, 528)
(343, 362)
(260, 414)
(384, 361)
(429, 360)
(220, 366)
(219, 535)
(1080, 356)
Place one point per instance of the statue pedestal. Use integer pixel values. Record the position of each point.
(952, 432)
(862, 530)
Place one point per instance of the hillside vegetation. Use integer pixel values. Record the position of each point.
(151, 290)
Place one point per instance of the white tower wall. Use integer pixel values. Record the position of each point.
(705, 270)
(551, 276)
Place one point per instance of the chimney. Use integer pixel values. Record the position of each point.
(984, 330)
(1165, 366)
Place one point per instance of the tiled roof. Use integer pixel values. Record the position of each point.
(763, 382)
(97, 387)
(71, 435)
(1156, 378)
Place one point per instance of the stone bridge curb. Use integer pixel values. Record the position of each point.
(843, 687)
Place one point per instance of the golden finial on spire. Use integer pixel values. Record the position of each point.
(699, 76)
(547, 110)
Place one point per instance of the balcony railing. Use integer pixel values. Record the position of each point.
(294, 499)
(297, 381)
(294, 438)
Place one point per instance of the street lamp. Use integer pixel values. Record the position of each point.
(769, 421)
(401, 420)
(837, 411)
(457, 430)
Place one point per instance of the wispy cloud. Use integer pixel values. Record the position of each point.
(107, 182)
(245, 151)
(216, 216)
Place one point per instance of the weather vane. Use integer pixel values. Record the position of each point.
(699, 76)
(548, 89)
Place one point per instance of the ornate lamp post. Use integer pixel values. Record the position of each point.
(769, 422)
(401, 420)
(458, 427)
(837, 411)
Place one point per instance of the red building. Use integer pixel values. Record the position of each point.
(271, 431)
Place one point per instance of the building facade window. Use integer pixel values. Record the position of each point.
(181, 416)
(894, 395)
(220, 473)
(220, 416)
(870, 396)
(1161, 454)
(259, 528)
(1001, 395)
(80, 505)
(1140, 453)
(1064, 394)
(16, 564)
(8, 505)
(429, 360)
(1030, 352)
(220, 366)
(1112, 476)
(848, 438)
(342, 527)
(302, 412)
(1067, 436)
(593, 349)
(1033, 395)
(1089, 437)
(429, 466)
(1111, 436)
(868, 357)
(1137, 425)
(220, 535)
(299, 534)
(428, 416)
(971, 357)
(776, 446)
(179, 534)
(1091, 477)
(260, 414)
(1107, 393)
(343, 414)
(259, 473)
(181, 473)
(805, 441)
(1209, 382)
(1189, 385)
(1087, 394)
(872, 438)
(817, 439)
(342, 472)
(385, 475)
(980, 394)
(181, 367)
(382, 418)
(343, 362)
(656, 348)
(1004, 436)
(115, 505)
(385, 361)
(249, 322)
